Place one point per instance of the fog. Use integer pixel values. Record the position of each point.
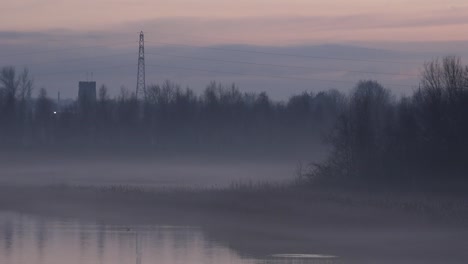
(142, 171)
(223, 175)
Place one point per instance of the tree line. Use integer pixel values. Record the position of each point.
(169, 118)
(375, 137)
(420, 139)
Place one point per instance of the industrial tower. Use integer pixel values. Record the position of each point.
(141, 86)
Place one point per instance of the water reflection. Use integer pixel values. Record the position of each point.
(36, 240)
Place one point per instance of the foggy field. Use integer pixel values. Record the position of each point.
(162, 171)
(198, 186)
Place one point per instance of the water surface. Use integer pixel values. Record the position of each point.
(26, 239)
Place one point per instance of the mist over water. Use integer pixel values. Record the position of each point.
(36, 240)
(33, 239)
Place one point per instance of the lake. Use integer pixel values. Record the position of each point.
(26, 239)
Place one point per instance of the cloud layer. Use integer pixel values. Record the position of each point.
(61, 40)
(249, 21)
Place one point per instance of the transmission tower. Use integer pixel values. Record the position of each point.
(141, 86)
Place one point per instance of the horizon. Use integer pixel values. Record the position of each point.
(76, 39)
(303, 68)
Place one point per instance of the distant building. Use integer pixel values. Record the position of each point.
(87, 99)
(87, 93)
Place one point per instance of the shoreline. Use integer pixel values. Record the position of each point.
(289, 204)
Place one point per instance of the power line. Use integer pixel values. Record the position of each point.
(79, 59)
(268, 76)
(230, 41)
(206, 70)
(65, 49)
(85, 70)
(283, 54)
(227, 61)
(280, 65)
(211, 71)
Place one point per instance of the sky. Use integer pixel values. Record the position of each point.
(250, 21)
(418, 29)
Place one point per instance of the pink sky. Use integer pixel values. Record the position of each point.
(419, 29)
(248, 21)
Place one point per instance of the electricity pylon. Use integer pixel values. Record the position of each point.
(141, 86)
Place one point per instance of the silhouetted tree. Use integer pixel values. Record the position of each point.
(418, 141)
(15, 105)
(44, 117)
